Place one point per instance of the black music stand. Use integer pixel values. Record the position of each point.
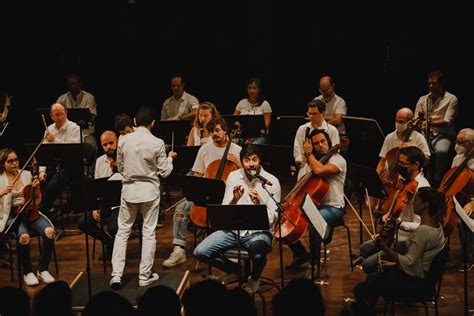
(237, 217)
(185, 158)
(81, 116)
(365, 178)
(251, 126)
(277, 159)
(285, 127)
(61, 156)
(166, 129)
(366, 139)
(202, 191)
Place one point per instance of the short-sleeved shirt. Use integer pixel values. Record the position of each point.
(210, 152)
(393, 141)
(246, 108)
(300, 136)
(444, 107)
(336, 105)
(173, 108)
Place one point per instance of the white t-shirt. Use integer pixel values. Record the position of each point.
(247, 108)
(444, 107)
(393, 141)
(336, 105)
(209, 153)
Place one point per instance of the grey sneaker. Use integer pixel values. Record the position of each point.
(178, 256)
(152, 278)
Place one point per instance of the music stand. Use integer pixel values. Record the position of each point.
(251, 126)
(366, 139)
(285, 127)
(365, 178)
(237, 217)
(185, 158)
(202, 191)
(81, 116)
(277, 159)
(166, 129)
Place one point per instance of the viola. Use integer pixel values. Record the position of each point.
(398, 201)
(294, 224)
(218, 169)
(32, 196)
(457, 181)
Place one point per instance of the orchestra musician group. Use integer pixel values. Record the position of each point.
(413, 166)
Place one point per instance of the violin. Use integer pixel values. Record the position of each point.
(32, 196)
(294, 224)
(398, 200)
(218, 169)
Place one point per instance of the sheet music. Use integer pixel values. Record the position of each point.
(318, 222)
(464, 217)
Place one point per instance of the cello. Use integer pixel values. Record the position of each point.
(294, 224)
(218, 169)
(455, 181)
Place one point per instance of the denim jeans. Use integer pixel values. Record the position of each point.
(212, 248)
(47, 243)
(371, 253)
(180, 222)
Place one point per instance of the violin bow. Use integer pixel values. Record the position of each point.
(360, 219)
(370, 210)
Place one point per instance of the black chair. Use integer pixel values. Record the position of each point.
(429, 293)
(266, 284)
(339, 225)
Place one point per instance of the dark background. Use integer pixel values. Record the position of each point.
(378, 55)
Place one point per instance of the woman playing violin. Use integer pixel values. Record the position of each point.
(410, 163)
(11, 200)
(408, 269)
(334, 171)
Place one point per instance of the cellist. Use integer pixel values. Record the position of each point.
(410, 164)
(11, 199)
(465, 143)
(332, 205)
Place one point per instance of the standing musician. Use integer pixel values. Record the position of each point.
(141, 159)
(60, 132)
(105, 166)
(408, 268)
(331, 207)
(12, 198)
(242, 187)
(465, 144)
(199, 135)
(316, 109)
(410, 163)
(439, 108)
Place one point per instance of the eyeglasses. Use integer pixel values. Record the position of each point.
(464, 142)
(14, 160)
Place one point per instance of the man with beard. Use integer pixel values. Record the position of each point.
(105, 166)
(243, 187)
(410, 163)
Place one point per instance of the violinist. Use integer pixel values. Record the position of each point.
(11, 199)
(61, 131)
(439, 108)
(316, 110)
(410, 164)
(105, 166)
(243, 187)
(408, 269)
(332, 206)
(198, 136)
(464, 144)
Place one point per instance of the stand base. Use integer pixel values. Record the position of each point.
(177, 280)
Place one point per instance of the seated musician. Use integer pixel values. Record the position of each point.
(254, 104)
(11, 200)
(334, 171)
(105, 166)
(410, 164)
(199, 135)
(440, 107)
(243, 188)
(60, 132)
(465, 144)
(123, 124)
(316, 110)
(407, 269)
(181, 105)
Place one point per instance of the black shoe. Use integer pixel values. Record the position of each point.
(357, 261)
(298, 260)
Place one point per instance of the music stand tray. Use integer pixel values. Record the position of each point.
(202, 191)
(250, 125)
(237, 217)
(185, 158)
(165, 130)
(64, 155)
(367, 178)
(285, 127)
(81, 116)
(103, 194)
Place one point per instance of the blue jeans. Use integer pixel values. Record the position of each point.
(331, 215)
(212, 248)
(180, 222)
(442, 145)
(39, 226)
(371, 253)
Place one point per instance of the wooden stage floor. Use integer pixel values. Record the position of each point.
(338, 280)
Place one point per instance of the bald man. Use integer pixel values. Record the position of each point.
(105, 166)
(62, 131)
(336, 107)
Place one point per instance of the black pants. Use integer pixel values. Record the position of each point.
(93, 227)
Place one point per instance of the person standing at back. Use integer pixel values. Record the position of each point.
(181, 105)
(336, 106)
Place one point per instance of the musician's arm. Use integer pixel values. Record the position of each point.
(335, 120)
(188, 116)
(191, 137)
(381, 165)
(320, 169)
(298, 146)
(268, 119)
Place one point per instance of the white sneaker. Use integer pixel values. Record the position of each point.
(251, 286)
(115, 282)
(152, 278)
(178, 256)
(45, 276)
(30, 279)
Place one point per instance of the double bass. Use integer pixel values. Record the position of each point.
(294, 224)
(218, 169)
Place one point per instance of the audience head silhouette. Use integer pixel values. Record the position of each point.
(15, 302)
(207, 297)
(55, 299)
(159, 298)
(108, 303)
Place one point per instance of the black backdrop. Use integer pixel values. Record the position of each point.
(126, 51)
